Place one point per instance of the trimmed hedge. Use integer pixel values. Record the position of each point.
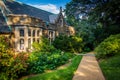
(109, 47)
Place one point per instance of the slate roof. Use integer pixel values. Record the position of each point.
(3, 25)
(20, 8)
(52, 18)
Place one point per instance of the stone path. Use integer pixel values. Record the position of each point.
(88, 69)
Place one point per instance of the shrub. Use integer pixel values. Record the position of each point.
(43, 45)
(108, 47)
(11, 65)
(39, 62)
(3, 44)
(68, 44)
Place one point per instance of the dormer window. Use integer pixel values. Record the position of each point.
(21, 32)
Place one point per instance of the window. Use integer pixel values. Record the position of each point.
(33, 39)
(22, 32)
(52, 34)
(21, 44)
(61, 22)
(33, 33)
(29, 32)
(49, 34)
(29, 43)
(38, 32)
(38, 40)
(41, 31)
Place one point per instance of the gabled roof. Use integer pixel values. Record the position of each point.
(53, 18)
(20, 8)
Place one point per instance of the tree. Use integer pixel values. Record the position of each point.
(74, 43)
(101, 16)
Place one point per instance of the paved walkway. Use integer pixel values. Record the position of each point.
(88, 69)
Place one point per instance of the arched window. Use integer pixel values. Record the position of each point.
(21, 44)
(21, 32)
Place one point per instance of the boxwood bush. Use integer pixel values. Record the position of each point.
(109, 47)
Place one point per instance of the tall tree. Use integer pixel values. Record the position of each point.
(102, 16)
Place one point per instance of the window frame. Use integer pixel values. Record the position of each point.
(22, 44)
(29, 43)
(29, 32)
(33, 34)
(21, 33)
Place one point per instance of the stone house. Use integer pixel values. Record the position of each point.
(25, 24)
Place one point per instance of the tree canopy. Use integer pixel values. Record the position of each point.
(98, 17)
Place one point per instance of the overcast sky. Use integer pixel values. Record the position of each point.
(48, 5)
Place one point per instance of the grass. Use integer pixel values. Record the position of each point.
(111, 67)
(62, 74)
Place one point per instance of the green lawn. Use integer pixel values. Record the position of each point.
(111, 67)
(62, 74)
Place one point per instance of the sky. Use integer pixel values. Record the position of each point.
(48, 5)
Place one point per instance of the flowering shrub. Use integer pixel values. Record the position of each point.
(11, 65)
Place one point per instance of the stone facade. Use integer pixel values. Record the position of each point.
(24, 29)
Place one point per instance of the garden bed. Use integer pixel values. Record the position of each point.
(60, 74)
